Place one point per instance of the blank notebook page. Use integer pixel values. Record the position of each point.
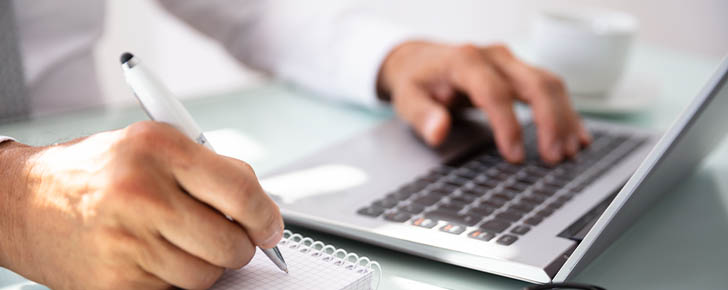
(307, 269)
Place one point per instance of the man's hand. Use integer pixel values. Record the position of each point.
(424, 79)
(136, 208)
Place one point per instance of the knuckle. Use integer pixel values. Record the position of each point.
(500, 48)
(497, 97)
(247, 168)
(246, 257)
(550, 83)
(130, 191)
(243, 252)
(150, 136)
(206, 279)
(468, 51)
(146, 130)
(245, 187)
(242, 195)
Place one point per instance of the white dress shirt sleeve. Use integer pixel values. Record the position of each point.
(330, 46)
(5, 138)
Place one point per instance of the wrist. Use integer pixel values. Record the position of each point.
(13, 187)
(386, 71)
(391, 67)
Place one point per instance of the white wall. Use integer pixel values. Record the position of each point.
(699, 26)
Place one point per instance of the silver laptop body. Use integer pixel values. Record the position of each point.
(461, 204)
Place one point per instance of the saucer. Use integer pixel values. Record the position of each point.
(632, 95)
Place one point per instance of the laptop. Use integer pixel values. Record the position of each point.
(462, 204)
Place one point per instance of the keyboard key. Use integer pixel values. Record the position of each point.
(486, 182)
(412, 208)
(426, 200)
(466, 173)
(564, 198)
(546, 212)
(425, 222)
(522, 207)
(536, 171)
(397, 217)
(555, 182)
(475, 192)
(464, 198)
(456, 181)
(475, 166)
(534, 220)
(453, 229)
(508, 168)
(481, 211)
(385, 203)
(459, 203)
(497, 175)
(545, 190)
(507, 240)
(464, 219)
(510, 215)
(527, 179)
(577, 189)
(506, 194)
(415, 186)
(495, 201)
(443, 188)
(495, 225)
(518, 186)
(371, 211)
(451, 208)
(534, 199)
(489, 159)
(481, 235)
(555, 204)
(520, 229)
(430, 178)
(399, 195)
(564, 175)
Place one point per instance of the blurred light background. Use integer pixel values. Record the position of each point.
(698, 26)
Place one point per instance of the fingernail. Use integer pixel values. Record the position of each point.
(273, 239)
(572, 145)
(517, 152)
(556, 151)
(432, 123)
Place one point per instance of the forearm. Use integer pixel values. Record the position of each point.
(334, 48)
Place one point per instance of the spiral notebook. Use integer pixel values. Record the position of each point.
(311, 265)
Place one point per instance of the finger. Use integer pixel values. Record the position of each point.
(177, 267)
(490, 92)
(430, 119)
(558, 124)
(230, 186)
(145, 280)
(585, 137)
(205, 233)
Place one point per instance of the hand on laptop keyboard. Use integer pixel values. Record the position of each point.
(486, 198)
(423, 80)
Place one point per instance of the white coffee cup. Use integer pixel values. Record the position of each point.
(587, 47)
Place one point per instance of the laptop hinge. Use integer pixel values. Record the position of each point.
(578, 229)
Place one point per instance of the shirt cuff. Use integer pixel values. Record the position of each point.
(369, 42)
(5, 138)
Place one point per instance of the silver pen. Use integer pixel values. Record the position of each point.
(160, 105)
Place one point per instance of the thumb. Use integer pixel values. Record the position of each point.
(429, 118)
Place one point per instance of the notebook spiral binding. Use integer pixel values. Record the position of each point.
(329, 253)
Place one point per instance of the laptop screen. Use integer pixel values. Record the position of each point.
(695, 133)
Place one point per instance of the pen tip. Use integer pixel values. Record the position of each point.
(126, 57)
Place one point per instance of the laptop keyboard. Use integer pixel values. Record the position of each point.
(486, 198)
